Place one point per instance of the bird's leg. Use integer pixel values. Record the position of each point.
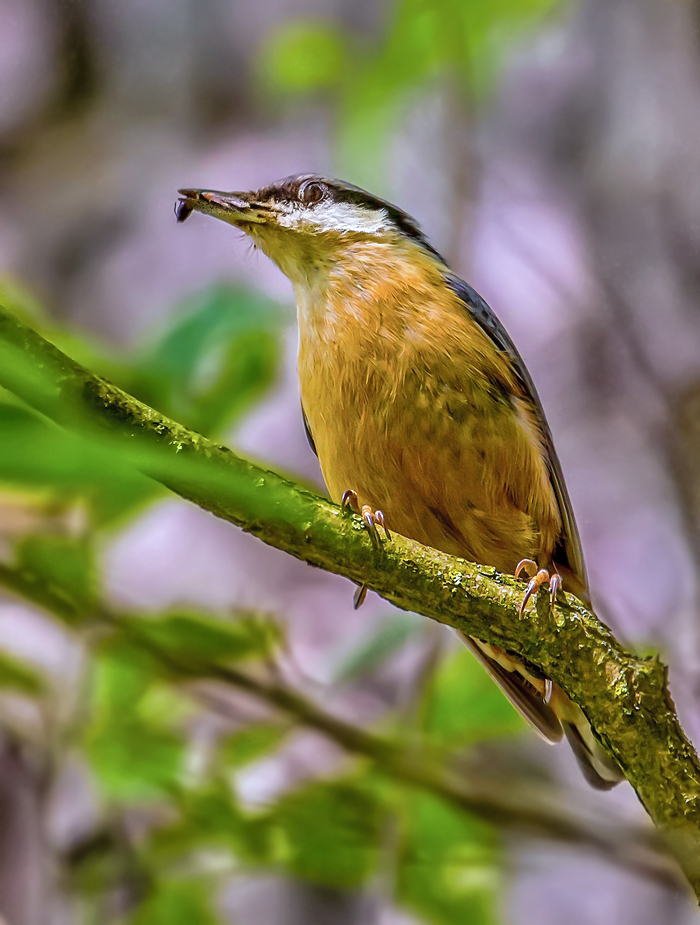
(540, 578)
(370, 518)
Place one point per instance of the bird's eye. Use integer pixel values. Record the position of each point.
(311, 192)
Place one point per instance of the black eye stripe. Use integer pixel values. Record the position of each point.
(291, 190)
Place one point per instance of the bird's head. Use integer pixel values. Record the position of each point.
(305, 222)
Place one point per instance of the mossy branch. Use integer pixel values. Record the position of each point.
(625, 698)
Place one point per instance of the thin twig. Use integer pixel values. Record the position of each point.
(519, 808)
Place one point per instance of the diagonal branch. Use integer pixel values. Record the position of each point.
(625, 698)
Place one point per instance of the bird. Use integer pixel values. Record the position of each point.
(421, 411)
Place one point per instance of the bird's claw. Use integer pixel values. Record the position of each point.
(371, 519)
(539, 579)
(359, 596)
(349, 500)
(369, 516)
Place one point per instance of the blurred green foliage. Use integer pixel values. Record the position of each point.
(216, 356)
(177, 902)
(448, 869)
(464, 706)
(37, 455)
(135, 757)
(18, 676)
(458, 44)
(64, 568)
(330, 832)
(304, 56)
(188, 640)
(253, 743)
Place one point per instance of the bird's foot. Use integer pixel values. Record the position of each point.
(371, 519)
(540, 578)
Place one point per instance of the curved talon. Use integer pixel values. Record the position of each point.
(371, 519)
(359, 596)
(349, 500)
(548, 690)
(541, 578)
(368, 517)
(379, 517)
(555, 582)
(523, 565)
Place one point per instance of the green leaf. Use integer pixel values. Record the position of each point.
(135, 762)
(303, 57)
(252, 743)
(393, 633)
(85, 350)
(96, 863)
(177, 902)
(464, 705)
(135, 755)
(190, 639)
(36, 452)
(330, 833)
(163, 704)
(210, 817)
(448, 864)
(216, 358)
(16, 675)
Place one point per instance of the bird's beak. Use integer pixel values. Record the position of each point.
(235, 208)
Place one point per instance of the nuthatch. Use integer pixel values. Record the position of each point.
(419, 406)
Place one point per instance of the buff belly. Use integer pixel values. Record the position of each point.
(429, 460)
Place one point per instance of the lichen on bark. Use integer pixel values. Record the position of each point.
(625, 698)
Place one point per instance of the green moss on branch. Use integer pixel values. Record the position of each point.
(625, 698)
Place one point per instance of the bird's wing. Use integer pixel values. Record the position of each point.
(568, 552)
(307, 431)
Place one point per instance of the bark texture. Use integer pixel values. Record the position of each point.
(625, 698)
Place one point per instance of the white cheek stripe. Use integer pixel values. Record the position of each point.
(336, 216)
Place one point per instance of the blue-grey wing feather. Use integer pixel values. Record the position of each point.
(307, 431)
(568, 550)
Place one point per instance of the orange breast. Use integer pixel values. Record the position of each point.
(411, 404)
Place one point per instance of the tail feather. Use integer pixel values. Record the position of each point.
(549, 710)
(526, 694)
(592, 767)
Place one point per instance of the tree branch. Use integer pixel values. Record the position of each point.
(518, 808)
(625, 698)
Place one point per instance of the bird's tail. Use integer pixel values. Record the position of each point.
(600, 770)
(549, 711)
